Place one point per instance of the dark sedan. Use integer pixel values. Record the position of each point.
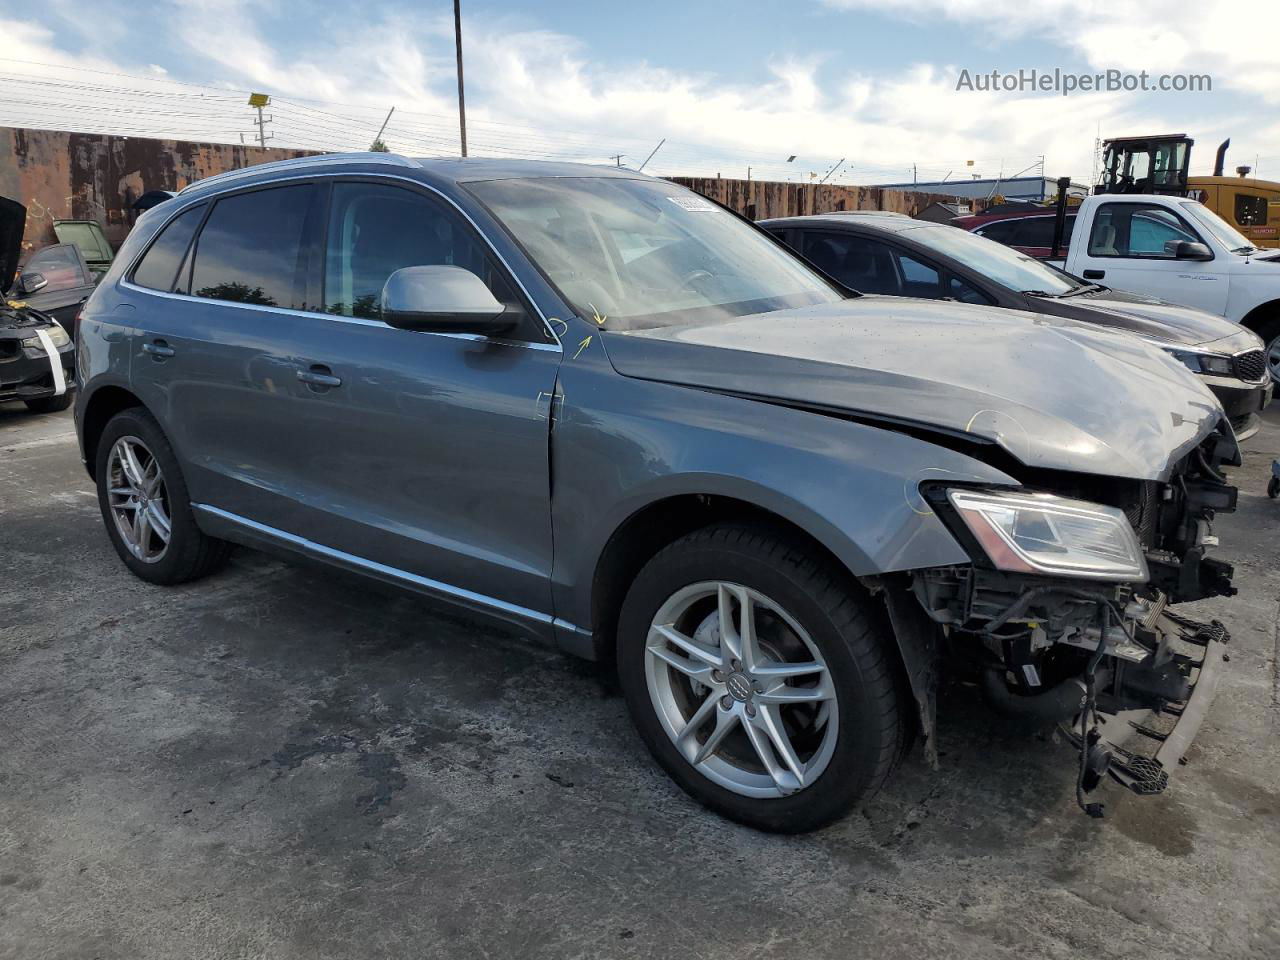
(895, 255)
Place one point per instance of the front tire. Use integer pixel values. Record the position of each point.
(791, 716)
(1269, 331)
(144, 504)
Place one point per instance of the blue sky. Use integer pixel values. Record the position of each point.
(730, 85)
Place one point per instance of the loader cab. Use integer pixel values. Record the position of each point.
(1146, 165)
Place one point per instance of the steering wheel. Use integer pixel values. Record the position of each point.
(697, 274)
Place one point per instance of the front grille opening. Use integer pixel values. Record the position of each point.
(1251, 365)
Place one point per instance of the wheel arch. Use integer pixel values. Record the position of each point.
(1261, 314)
(662, 521)
(99, 407)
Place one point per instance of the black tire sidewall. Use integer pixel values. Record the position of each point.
(855, 766)
(186, 538)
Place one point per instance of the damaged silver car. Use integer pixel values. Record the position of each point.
(598, 406)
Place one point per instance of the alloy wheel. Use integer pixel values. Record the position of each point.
(1273, 359)
(139, 499)
(741, 689)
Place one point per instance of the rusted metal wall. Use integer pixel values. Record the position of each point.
(90, 176)
(762, 199)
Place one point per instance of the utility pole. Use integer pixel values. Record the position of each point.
(377, 145)
(258, 101)
(462, 102)
(617, 158)
(650, 156)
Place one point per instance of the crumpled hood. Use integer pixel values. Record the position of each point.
(1155, 319)
(1053, 393)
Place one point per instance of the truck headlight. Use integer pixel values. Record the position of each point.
(1044, 533)
(1197, 362)
(57, 336)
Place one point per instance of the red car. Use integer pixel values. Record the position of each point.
(1027, 229)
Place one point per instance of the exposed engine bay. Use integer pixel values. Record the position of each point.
(1082, 648)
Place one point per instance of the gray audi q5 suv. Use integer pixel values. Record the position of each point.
(601, 407)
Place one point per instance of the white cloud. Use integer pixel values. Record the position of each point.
(541, 93)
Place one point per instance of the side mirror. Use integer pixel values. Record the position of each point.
(444, 299)
(1186, 250)
(32, 282)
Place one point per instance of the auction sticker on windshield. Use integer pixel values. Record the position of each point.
(693, 204)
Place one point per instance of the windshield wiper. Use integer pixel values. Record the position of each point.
(1042, 293)
(1085, 288)
(1245, 250)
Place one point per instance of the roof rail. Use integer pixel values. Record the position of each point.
(392, 159)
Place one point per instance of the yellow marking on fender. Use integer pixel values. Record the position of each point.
(596, 315)
(586, 342)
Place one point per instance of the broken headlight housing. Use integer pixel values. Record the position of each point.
(1040, 533)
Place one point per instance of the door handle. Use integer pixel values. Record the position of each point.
(159, 349)
(1094, 274)
(319, 376)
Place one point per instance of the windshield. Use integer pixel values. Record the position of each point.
(995, 261)
(1226, 234)
(643, 253)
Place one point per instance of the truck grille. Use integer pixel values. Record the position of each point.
(1251, 366)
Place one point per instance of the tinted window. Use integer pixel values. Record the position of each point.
(1138, 230)
(919, 279)
(59, 265)
(957, 289)
(375, 230)
(858, 263)
(254, 248)
(159, 266)
(1250, 211)
(1001, 231)
(1035, 232)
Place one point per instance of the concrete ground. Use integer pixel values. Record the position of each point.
(285, 762)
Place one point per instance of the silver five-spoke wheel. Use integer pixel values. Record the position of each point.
(138, 499)
(1273, 359)
(741, 689)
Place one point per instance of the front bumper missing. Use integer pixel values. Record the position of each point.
(1146, 746)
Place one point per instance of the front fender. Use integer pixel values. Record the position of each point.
(853, 487)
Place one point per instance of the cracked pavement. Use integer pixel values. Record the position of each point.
(284, 761)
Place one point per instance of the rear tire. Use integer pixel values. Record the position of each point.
(843, 725)
(138, 477)
(50, 404)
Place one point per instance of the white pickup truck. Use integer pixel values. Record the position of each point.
(1180, 251)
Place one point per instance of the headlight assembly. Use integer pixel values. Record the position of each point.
(1210, 363)
(1047, 534)
(57, 336)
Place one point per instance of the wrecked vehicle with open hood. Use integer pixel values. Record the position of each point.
(598, 406)
(37, 356)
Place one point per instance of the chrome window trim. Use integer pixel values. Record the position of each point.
(379, 176)
(437, 586)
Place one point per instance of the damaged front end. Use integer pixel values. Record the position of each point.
(1064, 617)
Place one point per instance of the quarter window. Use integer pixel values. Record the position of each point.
(1251, 211)
(957, 289)
(375, 230)
(255, 248)
(918, 279)
(159, 266)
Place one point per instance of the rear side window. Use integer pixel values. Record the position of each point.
(159, 266)
(1034, 232)
(256, 248)
(1001, 231)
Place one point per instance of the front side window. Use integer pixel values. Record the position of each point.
(60, 265)
(644, 253)
(159, 266)
(994, 261)
(918, 278)
(1138, 230)
(376, 229)
(860, 264)
(255, 248)
(957, 289)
